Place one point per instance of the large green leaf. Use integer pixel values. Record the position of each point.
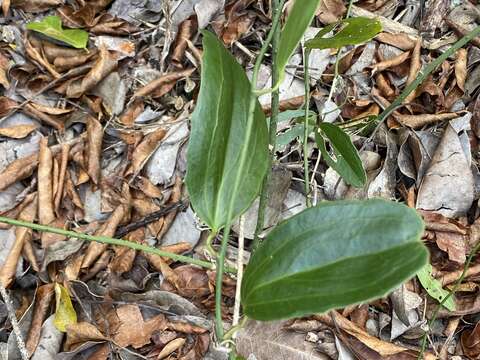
(347, 162)
(351, 31)
(51, 26)
(300, 17)
(434, 287)
(332, 255)
(218, 135)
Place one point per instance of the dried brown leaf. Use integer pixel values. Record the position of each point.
(461, 68)
(145, 149)
(61, 178)
(131, 113)
(470, 340)
(46, 212)
(94, 149)
(185, 32)
(18, 131)
(330, 11)
(418, 121)
(395, 61)
(81, 332)
(22, 235)
(172, 346)
(133, 330)
(399, 40)
(162, 85)
(43, 299)
(105, 64)
(108, 229)
(35, 6)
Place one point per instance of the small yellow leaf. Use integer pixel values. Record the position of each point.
(64, 312)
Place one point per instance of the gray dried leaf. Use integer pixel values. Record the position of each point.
(161, 165)
(50, 341)
(113, 91)
(60, 250)
(448, 184)
(183, 229)
(269, 341)
(206, 10)
(385, 182)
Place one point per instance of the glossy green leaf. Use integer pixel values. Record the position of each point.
(346, 161)
(51, 26)
(333, 255)
(300, 17)
(218, 135)
(351, 31)
(434, 287)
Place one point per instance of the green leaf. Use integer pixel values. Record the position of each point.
(51, 26)
(288, 115)
(434, 287)
(347, 162)
(218, 135)
(351, 31)
(64, 312)
(333, 255)
(300, 17)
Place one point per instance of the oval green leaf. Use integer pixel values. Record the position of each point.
(333, 255)
(218, 135)
(51, 26)
(351, 31)
(347, 162)
(300, 17)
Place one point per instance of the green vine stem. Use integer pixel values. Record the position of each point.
(272, 130)
(306, 76)
(219, 331)
(445, 299)
(111, 241)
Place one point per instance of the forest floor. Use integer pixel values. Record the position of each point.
(94, 141)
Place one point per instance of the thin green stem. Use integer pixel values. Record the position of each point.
(209, 246)
(108, 240)
(272, 131)
(219, 331)
(445, 299)
(306, 54)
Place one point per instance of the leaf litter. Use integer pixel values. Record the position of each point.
(93, 140)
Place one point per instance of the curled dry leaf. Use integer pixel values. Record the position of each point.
(145, 149)
(22, 235)
(461, 68)
(172, 346)
(35, 6)
(386, 64)
(105, 64)
(61, 176)
(399, 40)
(108, 229)
(162, 85)
(46, 213)
(185, 32)
(94, 149)
(43, 299)
(418, 121)
(18, 131)
(81, 332)
(470, 341)
(415, 67)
